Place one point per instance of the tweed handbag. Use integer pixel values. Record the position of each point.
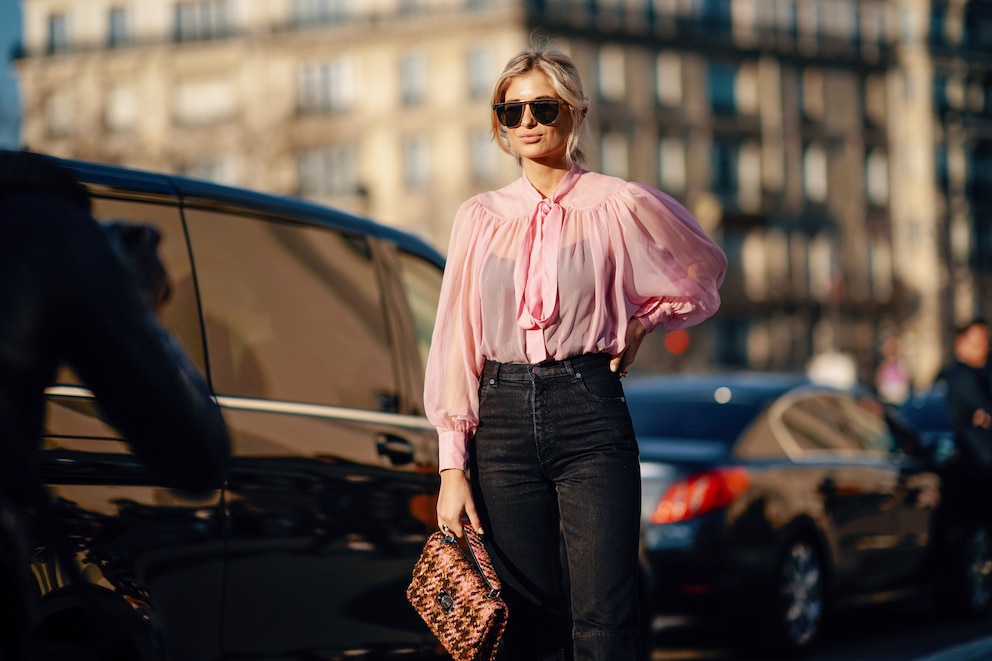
(458, 596)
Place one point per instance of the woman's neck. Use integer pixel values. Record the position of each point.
(545, 178)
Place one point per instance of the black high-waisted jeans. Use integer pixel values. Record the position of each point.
(556, 477)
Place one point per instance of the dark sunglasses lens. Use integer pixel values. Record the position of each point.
(510, 115)
(545, 112)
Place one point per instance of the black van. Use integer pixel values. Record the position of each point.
(313, 327)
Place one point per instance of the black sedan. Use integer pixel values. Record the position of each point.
(769, 500)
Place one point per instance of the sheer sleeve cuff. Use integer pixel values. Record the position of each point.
(452, 450)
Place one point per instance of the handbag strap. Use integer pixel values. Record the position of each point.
(477, 550)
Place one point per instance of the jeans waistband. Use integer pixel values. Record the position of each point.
(546, 369)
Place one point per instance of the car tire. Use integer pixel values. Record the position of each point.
(968, 590)
(798, 604)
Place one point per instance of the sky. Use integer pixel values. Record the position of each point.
(10, 107)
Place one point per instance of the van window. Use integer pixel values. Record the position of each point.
(422, 286)
(180, 314)
(292, 312)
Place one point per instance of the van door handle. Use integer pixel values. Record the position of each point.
(397, 450)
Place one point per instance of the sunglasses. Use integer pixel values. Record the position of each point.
(511, 113)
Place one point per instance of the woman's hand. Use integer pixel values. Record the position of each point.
(635, 335)
(456, 497)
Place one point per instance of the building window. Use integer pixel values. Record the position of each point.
(412, 7)
(480, 73)
(839, 20)
(873, 30)
(612, 74)
(877, 178)
(58, 33)
(671, 164)
(615, 154)
(979, 175)
(875, 103)
(203, 19)
(977, 27)
(724, 161)
(715, 14)
(484, 157)
(413, 79)
(328, 171)
(721, 82)
(327, 86)
(808, 18)
(117, 28)
(416, 163)
(785, 16)
(811, 91)
(317, 12)
(668, 79)
(747, 15)
(815, 173)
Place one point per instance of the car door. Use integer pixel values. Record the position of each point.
(331, 468)
(154, 556)
(915, 490)
(857, 487)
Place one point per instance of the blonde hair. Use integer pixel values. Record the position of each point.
(564, 78)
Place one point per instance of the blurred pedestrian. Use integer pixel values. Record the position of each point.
(551, 284)
(892, 380)
(969, 408)
(66, 297)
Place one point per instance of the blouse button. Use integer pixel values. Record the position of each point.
(578, 375)
(492, 382)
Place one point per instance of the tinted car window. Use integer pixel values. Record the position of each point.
(179, 315)
(422, 286)
(75, 416)
(833, 423)
(864, 420)
(662, 416)
(264, 282)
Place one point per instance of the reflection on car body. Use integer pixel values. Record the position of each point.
(312, 327)
(768, 499)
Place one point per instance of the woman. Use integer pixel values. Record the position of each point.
(550, 286)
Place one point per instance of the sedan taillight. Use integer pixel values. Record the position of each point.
(701, 493)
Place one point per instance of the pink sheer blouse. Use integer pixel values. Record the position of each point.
(530, 279)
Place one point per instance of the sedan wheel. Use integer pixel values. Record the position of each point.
(799, 606)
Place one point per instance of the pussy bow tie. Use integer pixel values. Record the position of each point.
(535, 276)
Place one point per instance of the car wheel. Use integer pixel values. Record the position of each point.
(799, 601)
(970, 587)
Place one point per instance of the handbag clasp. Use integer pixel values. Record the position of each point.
(446, 602)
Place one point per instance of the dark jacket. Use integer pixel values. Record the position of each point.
(970, 389)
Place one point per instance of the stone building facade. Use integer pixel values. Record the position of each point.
(838, 149)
